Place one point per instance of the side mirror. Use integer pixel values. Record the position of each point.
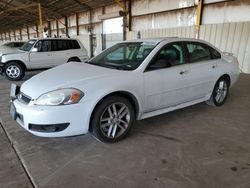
(34, 49)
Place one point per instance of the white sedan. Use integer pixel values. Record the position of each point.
(131, 80)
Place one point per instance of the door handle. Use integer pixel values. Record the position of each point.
(49, 54)
(214, 66)
(183, 72)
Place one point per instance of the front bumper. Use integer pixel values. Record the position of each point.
(51, 121)
(1, 68)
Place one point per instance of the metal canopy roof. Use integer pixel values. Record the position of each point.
(18, 13)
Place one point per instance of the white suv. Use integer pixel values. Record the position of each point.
(41, 53)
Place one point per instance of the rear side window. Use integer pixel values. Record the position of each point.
(215, 54)
(59, 45)
(198, 52)
(73, 44)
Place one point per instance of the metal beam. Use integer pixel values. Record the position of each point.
(84, 5)
(57, 28)
(28, 32)
(40, 19)
(77, 24)
(90, 33)
(14, 34)
(18, 8)
(20, 33)
(198, 18)
(66, 26)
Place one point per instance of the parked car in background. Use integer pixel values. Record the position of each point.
(14, 44)
(10, 47)
(41, 53)
(131, 80)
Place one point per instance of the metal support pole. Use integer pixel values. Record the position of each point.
(5, 36)
(49, 28)
(14, 35)
(57, 28)
(198, 18)
(103, 34)
(129, 16)
(9, 36)
(28, 32)
(66, 26)
(20, 33)
(40, 18)
(77, 24)
(90, 33)
(37, 32)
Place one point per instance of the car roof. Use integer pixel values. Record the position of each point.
(169, 39)
(172, 39)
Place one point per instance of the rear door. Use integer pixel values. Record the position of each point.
(203, 61)
(61, 52)
(166, 80)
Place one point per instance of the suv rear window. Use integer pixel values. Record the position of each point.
(73, 44)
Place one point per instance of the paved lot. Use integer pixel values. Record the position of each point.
(199, 146)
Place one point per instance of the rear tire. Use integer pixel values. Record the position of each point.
(14, 71)
(112, 119)
(220, 92)
(74, 59)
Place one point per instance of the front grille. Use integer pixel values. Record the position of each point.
(24, 98)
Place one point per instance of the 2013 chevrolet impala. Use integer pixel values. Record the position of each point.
(131, 80)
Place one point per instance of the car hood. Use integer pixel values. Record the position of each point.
(7, 50)
(66, 75)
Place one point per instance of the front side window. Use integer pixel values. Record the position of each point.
(169, 56)
(28, 45)
(43, 46)
(124, 56)
(198, 52)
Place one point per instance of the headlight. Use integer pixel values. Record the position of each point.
(60, 97)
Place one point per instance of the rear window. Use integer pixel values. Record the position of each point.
(73, 44)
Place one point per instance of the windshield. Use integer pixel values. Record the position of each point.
(124, 56)
(28, 45)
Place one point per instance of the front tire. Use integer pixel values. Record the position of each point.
(112, 119)
(14, 71)
(220, 92)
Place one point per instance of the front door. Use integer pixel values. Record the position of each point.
(42, 57)
(166, 79)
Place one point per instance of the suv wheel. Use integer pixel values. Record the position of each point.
(14, 71)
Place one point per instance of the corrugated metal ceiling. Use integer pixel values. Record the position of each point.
(16, 13)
